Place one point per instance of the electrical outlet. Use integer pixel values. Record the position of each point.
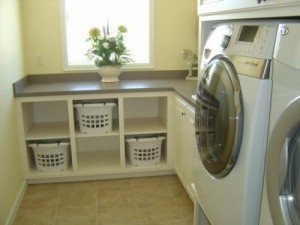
(39, 60)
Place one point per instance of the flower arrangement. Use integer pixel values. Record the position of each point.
(108, 49)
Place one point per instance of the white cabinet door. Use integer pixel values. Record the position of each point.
(283, 1)
(185, 143)
(191, 146)
(180, 132)
(214, 6)
(267, 8)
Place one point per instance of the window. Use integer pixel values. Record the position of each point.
(81, 15)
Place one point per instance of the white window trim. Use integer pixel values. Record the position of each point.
(90, 68)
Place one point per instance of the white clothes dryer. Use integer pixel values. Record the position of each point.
(281, 193)
(232, 114)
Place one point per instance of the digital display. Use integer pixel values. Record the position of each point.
(248, 33)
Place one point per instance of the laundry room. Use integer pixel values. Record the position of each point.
(150, 112)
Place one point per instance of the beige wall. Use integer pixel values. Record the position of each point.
(175, 28)
(10, 70)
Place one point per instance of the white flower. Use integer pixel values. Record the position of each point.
(105, 45)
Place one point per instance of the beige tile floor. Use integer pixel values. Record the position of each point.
(159, 200)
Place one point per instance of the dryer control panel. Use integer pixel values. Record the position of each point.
(253, 40)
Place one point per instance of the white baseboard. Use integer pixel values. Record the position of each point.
(101, 176)
(13, 212)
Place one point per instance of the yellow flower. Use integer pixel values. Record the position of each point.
(122, 29)
(94, 32)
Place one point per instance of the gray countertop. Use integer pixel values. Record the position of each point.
(74, 84)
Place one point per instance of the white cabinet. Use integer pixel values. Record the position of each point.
(282, 1)
(214, 6)
(44, 119)
(247, 8)
(185, 143)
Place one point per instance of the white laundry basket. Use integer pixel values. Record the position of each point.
(95, 117)
(144, 151)
(51, 157)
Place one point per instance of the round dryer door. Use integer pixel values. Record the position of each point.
(283, 167)
(219, 117)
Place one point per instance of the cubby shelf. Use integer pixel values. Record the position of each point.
(99, 160)
(144, 126)
(48, 130)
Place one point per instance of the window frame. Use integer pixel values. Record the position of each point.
(92, 67)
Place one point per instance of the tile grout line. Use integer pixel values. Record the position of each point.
(57, 203)
(135, 202)
(97, 197)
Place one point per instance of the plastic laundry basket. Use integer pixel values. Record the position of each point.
(51, 157)
(95, 117)
(144, 151)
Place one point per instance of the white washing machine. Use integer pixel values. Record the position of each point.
(281, 194)
(232, 114)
